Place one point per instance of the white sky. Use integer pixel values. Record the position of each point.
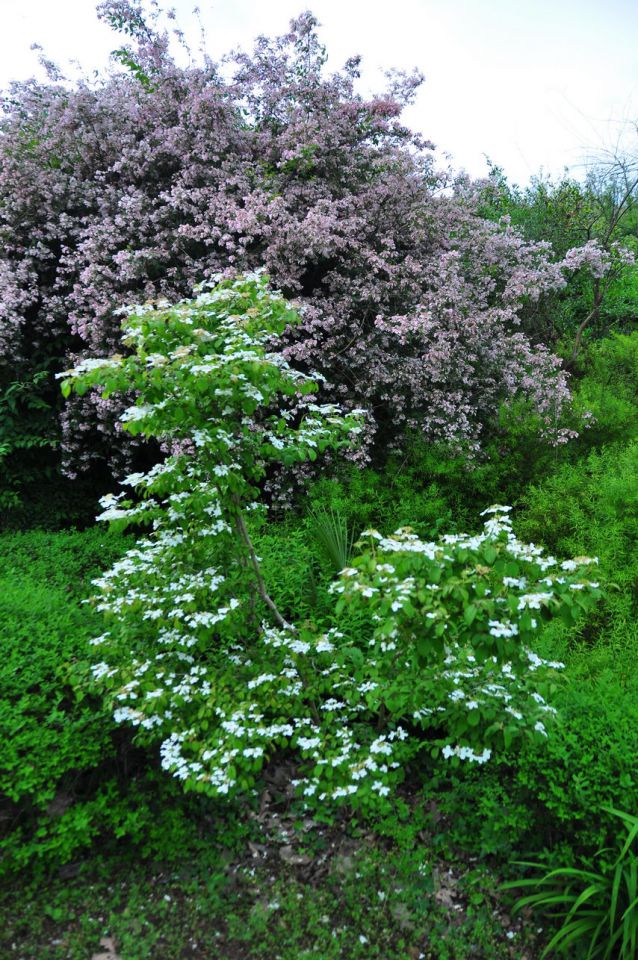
(530, 83)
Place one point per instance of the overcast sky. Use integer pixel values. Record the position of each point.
(530, 83)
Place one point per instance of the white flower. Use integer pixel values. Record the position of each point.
(333, 704)
(323, 646)
(380, 745)
(502, 629)
(519, 582)
(533, 601)
(100, 670)
(380, 788)
(466, 753)
(136, 413)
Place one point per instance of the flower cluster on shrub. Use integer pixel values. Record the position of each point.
(121, 190)
(429, 645)
(423, 654)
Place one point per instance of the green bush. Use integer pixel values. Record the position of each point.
(66, 775)
(477, 812)
(28, 435)
(608, 388)
(543, 798)
(429, 488)
(583, 500)
(43, 632)
(589, 762)
(591, 507)
(297, 575)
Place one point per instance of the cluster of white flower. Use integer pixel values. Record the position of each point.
(89, 365)
(466, 753)
(441, 633)
(469, 628)
(500, 629)
(330, 706)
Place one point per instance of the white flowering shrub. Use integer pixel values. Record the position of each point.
(429, 646)
(211, 389)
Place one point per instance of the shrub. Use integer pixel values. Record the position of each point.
(185, 662)
(136, 187)
(585, 506)
(68, 775)
(49, 738)
(433, 487)
(535, 798)
(590, 507)
(609, 391)
(588, 764)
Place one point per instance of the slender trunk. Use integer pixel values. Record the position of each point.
(593, 313)
(261, 586)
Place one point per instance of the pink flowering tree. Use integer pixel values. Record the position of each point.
(592, 225)
(147, 181)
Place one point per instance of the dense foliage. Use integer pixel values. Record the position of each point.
(181, 659)
(570, 213)
(66, 775)
(232, 729)
(141, 184)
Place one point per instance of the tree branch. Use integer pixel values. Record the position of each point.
(593, 313)
(261, 586)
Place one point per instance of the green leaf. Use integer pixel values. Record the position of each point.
(469, 614)
(490, 555)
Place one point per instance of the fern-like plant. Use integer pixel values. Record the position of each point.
(598, 908)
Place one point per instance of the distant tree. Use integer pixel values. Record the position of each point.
(600, 212)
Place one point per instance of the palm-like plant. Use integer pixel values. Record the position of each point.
(598, 909)
(333, 536)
